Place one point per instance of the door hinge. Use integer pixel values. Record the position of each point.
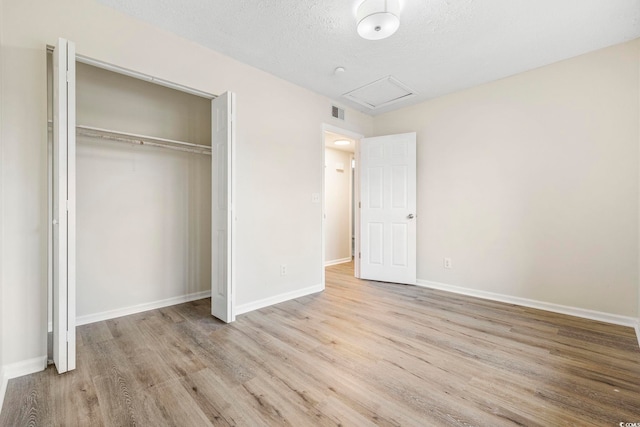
(68, 76)
(359, 255)
(360, 204)
(68, 336)
(67, 205)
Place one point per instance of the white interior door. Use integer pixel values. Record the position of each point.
(222, 173)
(388, 208)
(64, 203)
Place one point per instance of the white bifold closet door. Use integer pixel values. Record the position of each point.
(64, 204)
(222, 188)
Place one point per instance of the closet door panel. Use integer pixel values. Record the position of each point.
(64, 250)
(222, 135)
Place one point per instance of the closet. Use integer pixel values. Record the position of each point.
(138, 219)
(143, 212)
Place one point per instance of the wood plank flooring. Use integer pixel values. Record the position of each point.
(361, 353)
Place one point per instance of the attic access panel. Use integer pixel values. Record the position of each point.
(380, 93)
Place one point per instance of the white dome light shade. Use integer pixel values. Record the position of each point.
(378, 19)
(342, 142)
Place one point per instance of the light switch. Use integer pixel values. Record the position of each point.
(315, 197)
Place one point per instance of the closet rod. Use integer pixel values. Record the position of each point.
(143, 140)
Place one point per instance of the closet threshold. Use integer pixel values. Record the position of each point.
(138, 139)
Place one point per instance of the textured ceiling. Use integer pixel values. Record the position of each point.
(442, 45)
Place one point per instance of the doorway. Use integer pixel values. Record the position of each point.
(384, 204)
(340, 219)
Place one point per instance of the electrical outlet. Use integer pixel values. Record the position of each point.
(283, 269)
(315, 197)
(447, 263)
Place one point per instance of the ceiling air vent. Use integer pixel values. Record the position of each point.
(380, 93)
(337, 112)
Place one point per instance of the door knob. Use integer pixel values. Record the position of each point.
(410, 216)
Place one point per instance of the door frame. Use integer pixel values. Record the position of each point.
(356, 196)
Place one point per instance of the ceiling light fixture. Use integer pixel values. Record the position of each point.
(378, 19)
(342, 142)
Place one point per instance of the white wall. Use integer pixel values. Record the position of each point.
(530, 183)
(277, 222)
(2, 179)
(143, 225)
(337, 190)
(143, 213)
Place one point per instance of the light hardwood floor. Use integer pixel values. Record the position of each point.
(360, 353)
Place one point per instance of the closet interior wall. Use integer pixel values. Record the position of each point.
(143, 212)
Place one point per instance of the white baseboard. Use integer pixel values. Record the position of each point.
(541, 305)
(255, 305)
(18, 369)
(638, 331)
(112, 314)
(337, 261)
